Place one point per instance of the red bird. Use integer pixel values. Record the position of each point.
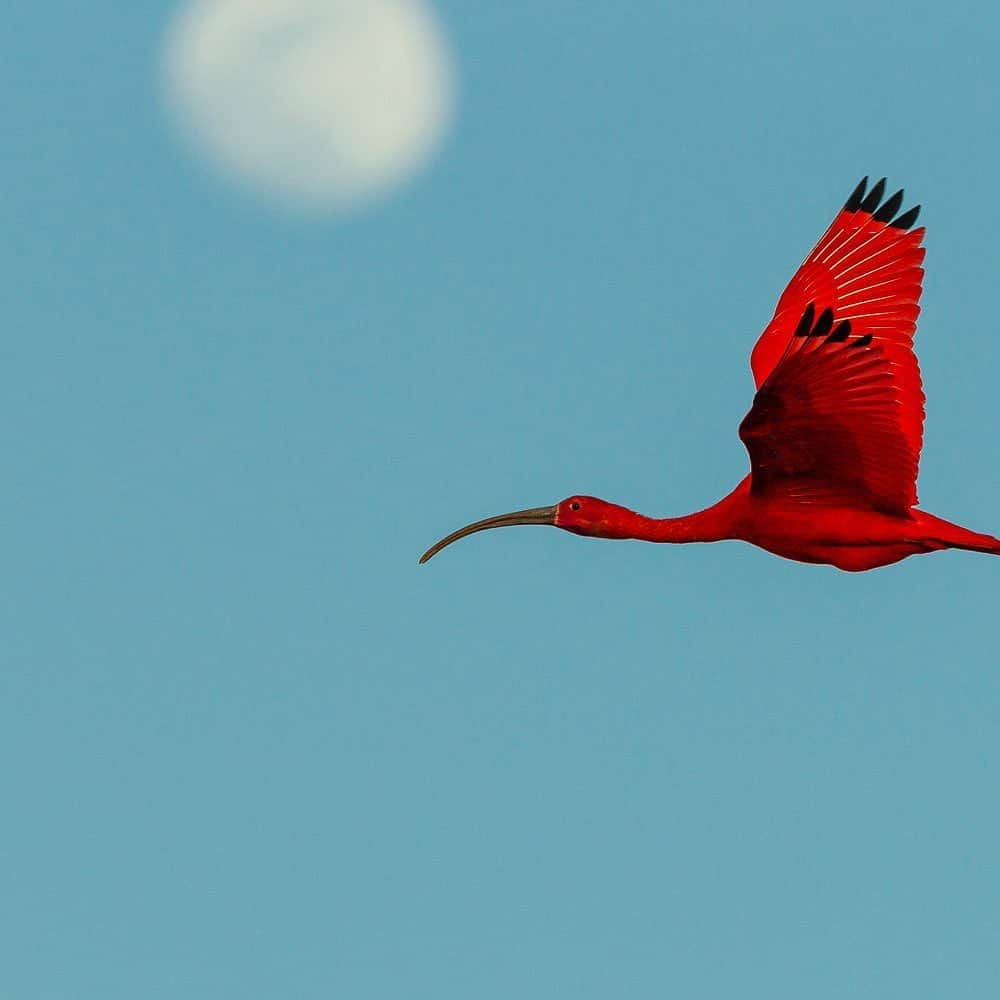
(836, 425)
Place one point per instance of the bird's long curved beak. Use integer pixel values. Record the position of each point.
(536, 515)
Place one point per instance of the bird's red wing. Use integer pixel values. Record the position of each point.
(867, 269)
(827, 425)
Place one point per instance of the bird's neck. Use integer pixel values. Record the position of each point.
(715, 523)
(702, 526)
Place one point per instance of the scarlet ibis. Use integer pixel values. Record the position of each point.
(836, 425)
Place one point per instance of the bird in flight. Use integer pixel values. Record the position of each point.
(836, 425)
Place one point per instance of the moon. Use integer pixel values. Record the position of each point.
(321, 106)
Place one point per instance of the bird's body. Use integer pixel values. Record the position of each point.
(836, 427)
(844, 537)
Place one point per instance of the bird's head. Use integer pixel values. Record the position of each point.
(582, 515)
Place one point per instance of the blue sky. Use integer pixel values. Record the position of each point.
(251, 749)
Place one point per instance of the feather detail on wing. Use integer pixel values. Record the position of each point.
(828, 426)
(867, 270)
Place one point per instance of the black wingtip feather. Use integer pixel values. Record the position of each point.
(863, 341)
(890, 208)
(906, 219)
(874, 197)
(860, 201)
(854, 202)
(805, 324)
(824, 324)
(842, 332)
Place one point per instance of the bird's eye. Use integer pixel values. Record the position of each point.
(574, 506)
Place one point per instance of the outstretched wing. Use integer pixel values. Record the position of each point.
(828, 426)
(867, 270)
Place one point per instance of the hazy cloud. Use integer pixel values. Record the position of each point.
(319, 104)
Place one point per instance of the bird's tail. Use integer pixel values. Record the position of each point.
(943, 534)
(982, 543)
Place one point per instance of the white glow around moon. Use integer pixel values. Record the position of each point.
(320, 104)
